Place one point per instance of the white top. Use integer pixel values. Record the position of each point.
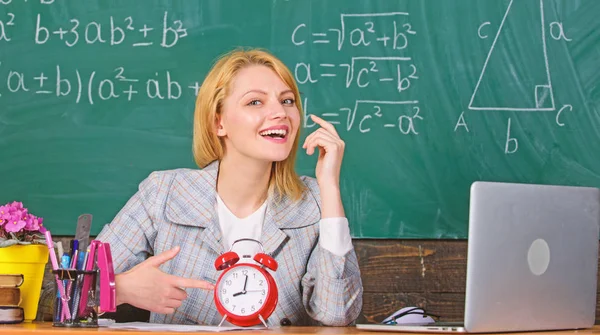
(334, 232)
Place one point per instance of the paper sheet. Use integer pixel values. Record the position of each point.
(178, 328)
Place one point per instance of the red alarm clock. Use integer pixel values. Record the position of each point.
(246, 293)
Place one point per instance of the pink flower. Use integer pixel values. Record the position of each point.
(4, 216)
(5, 212)
(17, 205)
(14, 218)
(31, 223)
(14, 225)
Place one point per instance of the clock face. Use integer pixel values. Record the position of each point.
(243, 290)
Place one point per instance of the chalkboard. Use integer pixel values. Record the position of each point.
(428, 95)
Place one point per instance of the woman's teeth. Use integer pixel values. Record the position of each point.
(274, 132)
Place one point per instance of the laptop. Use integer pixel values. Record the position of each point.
(532, 260)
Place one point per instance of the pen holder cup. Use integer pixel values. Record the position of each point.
(78, 307)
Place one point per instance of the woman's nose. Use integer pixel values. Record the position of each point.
(277, 111)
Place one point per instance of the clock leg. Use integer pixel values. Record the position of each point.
(263, 321)
(222, 320)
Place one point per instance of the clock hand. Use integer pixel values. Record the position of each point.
(244, 289)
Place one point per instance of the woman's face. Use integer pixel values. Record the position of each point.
(259, 118)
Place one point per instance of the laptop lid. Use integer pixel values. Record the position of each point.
(532, 257)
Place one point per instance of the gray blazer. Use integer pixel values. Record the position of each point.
(178, 208)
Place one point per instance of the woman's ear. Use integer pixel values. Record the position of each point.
(219, 126)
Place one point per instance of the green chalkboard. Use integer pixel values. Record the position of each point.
(428, 95)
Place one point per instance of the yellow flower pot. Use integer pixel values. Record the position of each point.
(30, 261)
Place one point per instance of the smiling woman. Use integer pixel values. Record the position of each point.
(260, 107)
(246, 94)
(246, 135)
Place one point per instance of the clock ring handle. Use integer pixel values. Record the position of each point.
(261, 258)
(247, 239)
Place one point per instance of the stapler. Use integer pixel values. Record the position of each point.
(100, 255)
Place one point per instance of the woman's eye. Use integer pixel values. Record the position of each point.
(289, 101)
(254, 103)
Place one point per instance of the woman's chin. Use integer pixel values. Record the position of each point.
(276, 156)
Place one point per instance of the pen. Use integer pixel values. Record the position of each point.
(65, 261)
(74, 259)
(81, 260)
(59, 284)
(75, 247)
(71, 291)
(59, 248)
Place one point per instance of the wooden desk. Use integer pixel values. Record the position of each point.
(46, 328)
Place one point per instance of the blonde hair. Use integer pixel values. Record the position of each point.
(208, 147)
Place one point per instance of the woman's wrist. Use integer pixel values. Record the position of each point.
(120, 290)
(329, 188)
(331, 202)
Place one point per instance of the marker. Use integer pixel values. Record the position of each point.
(59, 284)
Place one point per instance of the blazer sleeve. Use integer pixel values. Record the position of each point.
(132, 233)
(332, 287)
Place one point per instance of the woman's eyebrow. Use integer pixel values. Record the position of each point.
(255, 91)
(265, 93)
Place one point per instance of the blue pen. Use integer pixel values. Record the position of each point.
(75, 247)
(80, 259)
(65, 262)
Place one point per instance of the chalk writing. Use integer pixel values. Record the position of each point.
(112, 31)
(390, 32)
(92, 87)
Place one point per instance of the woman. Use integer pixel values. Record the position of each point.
(246, 133)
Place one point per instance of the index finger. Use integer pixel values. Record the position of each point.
(326, 125)
(191, 283)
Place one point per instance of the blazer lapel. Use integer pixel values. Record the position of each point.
(192, 202)
(273, 237)
(287, 214)
(213, 237)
